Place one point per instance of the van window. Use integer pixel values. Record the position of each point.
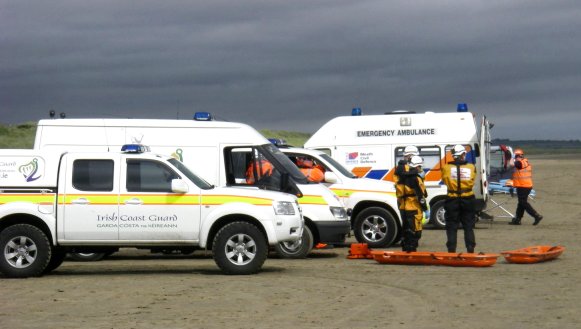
(93, 175)
(149, 176)
(430, 154)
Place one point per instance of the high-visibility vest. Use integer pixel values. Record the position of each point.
(523, 177)
(459, 179)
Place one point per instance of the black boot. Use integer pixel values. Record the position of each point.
(538, 219)
(515, 221)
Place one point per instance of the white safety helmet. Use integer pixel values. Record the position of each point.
(410, 150)
(416, 161)
(458, 150)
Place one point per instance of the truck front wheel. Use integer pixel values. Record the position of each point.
(376, 227)
(438, 214)
(26, 251)
(240, 248)
(297, 249)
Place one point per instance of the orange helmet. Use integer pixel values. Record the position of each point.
(518, 153)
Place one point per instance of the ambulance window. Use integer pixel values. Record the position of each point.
(470, 156)
(148, 176)
(430, 154)
(326, 151)
(93, 175)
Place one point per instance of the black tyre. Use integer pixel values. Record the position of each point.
(56, 259)
(240, 248)
(87, 256)
(437, 214)
(26, 251)
(297, 249)
(376, 227)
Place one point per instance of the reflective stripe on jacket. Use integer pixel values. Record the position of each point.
(523, 177)
(459, 177)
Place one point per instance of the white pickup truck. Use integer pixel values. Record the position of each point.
(52, 203)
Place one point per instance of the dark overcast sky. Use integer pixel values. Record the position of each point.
(294, 65)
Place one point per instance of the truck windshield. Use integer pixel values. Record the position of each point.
(338, 166)
(191, 176)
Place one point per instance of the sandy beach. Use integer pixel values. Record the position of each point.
(136, 289)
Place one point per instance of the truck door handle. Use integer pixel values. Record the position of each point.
(134, 201)
(81, 201)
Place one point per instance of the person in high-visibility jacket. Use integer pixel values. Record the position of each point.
(312, 172)
(412, 204)
(258, 169)
(522, 180)
(459, 176)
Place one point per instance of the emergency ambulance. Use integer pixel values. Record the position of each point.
(220, 152)
(53, 202)
(371, 145)
(371, 203)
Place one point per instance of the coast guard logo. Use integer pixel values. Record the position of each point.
(29, 170)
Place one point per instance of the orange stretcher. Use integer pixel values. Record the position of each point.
(435, 258)
(534, 254)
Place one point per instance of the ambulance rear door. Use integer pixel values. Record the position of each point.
(485, 144)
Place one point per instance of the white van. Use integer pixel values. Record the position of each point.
(220, 152)
(371, 145)
(371, 203)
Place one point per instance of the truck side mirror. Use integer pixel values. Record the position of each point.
(330, 177)
(179, 186)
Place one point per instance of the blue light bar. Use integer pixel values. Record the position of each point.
(462, 107)
(356, 111)
(134, 148)
(203, 116)
(277, 141)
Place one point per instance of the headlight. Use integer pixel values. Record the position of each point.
(283, 208)
(339, 212)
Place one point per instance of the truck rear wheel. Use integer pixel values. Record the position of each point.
(376, 227)
(437, 214)
(56, 259)
(240, 248)
(297, 249)
(26, 251)
(87, 256)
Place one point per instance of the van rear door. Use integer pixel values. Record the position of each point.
(485, 144)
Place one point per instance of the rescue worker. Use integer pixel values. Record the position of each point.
(412, 205)
(312, 172)
(402, 167)
(259, 168)
(459, 176)
(522, 180)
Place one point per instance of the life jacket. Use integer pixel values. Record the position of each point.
(523, 177)
(407, 197)
(459, 178)
(262, 168)
(313, 174)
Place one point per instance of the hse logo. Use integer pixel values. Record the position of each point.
(29, 170)
(352, 158)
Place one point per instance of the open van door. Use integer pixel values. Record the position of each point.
(485, 144)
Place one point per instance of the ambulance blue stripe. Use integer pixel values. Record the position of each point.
(376, 174)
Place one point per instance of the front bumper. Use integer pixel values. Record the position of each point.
(333, 232)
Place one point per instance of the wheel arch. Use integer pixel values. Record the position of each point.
(22, 218)
(359, 207)
(225, 220)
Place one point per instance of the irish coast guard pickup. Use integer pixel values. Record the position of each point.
(52, 202)
(371, 145)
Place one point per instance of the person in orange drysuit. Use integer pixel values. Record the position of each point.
(312, 172)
